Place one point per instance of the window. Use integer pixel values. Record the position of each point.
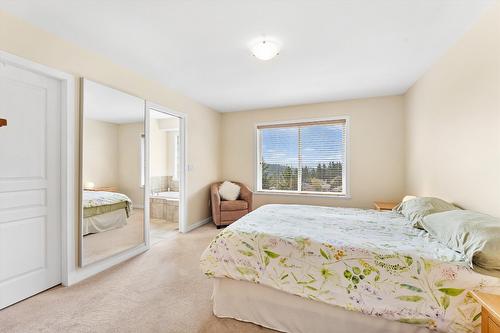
(303, 157)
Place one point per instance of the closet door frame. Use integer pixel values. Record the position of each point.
(183, 168)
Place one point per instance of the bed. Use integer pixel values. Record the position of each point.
(366, 261)
(103, 211)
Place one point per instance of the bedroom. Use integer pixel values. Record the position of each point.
(411, 95)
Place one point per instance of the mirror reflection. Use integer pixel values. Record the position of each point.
(112, 172)
(164, 174)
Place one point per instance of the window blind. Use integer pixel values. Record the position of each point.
(307, 157)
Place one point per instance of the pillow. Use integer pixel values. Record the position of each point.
(399, 207)
(474, 234)
(417, 208)
(408, 197)
(229, 191)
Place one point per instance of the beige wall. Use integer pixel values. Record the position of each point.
(111, 155)
(159, 150)
(203, 127)
(453, 122)
(169, 129)
(129, 161)
(169, 123)
(100, 153)
(171, 147)
(376, 148)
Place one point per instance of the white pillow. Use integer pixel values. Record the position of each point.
(229, 191)
(408, 197)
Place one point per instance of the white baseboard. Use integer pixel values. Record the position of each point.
(198, 224)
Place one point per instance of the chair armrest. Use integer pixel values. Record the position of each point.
(247, 195)
(215, 203)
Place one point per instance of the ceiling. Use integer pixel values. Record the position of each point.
(332, 49)
(104, 103)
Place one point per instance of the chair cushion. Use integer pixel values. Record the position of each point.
(233, 205)
(232, 215)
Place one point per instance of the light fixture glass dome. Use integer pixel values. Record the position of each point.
(265, 49)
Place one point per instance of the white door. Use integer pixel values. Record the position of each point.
(30, 219)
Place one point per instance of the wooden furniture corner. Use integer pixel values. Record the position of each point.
(490, 311)
(103, 189)
(380, 205)
(3, 122)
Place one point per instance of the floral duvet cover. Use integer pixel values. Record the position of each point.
(362, 260)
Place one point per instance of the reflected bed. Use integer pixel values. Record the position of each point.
(103, 211)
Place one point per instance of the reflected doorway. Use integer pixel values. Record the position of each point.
(166, 173)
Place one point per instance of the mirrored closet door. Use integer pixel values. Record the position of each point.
(165, 174)
(113, 179)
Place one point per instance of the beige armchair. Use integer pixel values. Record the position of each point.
(225, 212)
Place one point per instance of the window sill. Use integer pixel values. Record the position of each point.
(305, 194)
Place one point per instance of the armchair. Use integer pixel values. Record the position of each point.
(225, 212)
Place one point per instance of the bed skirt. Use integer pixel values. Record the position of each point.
(271, 308)
(104, 222)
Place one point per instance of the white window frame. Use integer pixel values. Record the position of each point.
(345, 171)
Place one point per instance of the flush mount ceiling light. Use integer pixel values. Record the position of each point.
(265, 49)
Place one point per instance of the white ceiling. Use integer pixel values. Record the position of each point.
(332, 49)
(104, 103)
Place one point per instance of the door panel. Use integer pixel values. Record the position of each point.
(30, 236)
(20, 199)
(28, 258)
(26, 110)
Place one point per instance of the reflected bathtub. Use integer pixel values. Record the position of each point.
(166, 195)
(164, 206)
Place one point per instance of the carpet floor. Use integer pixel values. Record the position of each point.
(162, 290)
(104, 244)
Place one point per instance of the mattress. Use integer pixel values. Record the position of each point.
(361, 260)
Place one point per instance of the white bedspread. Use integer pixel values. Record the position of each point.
(103, 198)
(362, 260)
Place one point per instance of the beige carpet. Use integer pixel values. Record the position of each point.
(161, 230)
(161, 290)
(104, 244)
